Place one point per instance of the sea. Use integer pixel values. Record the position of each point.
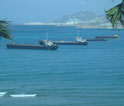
(72, 75)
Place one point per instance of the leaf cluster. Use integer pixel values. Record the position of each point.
(116, 15)
(4, 30)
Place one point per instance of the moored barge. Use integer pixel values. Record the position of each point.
(97, 39)
(79, 41)
(106, 37)
(40, 47)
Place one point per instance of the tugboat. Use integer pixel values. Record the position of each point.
(47, 46)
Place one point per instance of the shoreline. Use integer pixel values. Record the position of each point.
(76, 26)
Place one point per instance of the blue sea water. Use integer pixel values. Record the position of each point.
(91, 75)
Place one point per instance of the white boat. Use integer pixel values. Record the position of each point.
(49, 43)
(79, 39)
(23, 95)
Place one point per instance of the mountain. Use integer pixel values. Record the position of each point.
(84, 19)
(79, 16)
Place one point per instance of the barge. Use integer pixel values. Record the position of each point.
(106, 37)
(79, 41)
(97, 39)
(48, 46)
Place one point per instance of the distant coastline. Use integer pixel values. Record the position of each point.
(70, 25)
(82, 19)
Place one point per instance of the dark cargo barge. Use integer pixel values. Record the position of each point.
(37, 47)
(79, 41)
(64, 42)
(97, 39)
(106, 37)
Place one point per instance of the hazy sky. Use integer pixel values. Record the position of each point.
(20, 11)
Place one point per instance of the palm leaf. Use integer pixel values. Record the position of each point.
(116, 15)
(4, 31)
(3, 22)
(5, 34)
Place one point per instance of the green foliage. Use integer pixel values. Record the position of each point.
(116, 15)
(4, 31)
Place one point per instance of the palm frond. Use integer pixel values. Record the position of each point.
(3, 22)
(4, 30)
(116, 15)
(5, 34)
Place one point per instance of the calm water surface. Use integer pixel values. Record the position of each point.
(90, 75)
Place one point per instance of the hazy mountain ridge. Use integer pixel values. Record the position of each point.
(82, 19)
(81, 16)
(85, 19)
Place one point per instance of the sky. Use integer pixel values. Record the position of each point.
(24, 11)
